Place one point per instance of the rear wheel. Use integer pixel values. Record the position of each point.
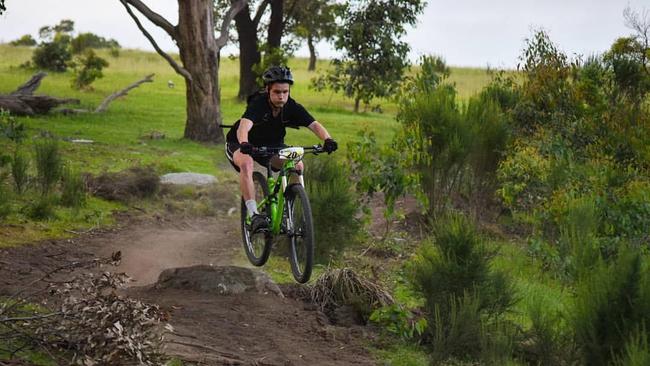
(256, 245)
(300, 230)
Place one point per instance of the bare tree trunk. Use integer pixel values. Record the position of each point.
(276, 25)
(198, 51)
(356, 105)
(312, 53)
(249, 54)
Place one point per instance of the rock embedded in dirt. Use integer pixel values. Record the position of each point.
(223, 280)
(191, 179)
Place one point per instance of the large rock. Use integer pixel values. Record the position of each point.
(191, 179)
(224, 280)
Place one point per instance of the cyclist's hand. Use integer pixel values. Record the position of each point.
(246, 148)
(330, 146)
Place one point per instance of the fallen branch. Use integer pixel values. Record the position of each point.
(104, 106)
(31, 85)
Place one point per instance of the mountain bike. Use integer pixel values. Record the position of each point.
(287, 208)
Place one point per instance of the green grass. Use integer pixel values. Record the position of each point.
(118, 133)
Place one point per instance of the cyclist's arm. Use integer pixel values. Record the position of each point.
(245, 125)
(319, 130)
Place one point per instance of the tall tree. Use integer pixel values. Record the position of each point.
(250, 49)
(311, 21)
(3, 8)
(374, 57)
(199, 52)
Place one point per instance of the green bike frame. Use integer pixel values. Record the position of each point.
(275, 199)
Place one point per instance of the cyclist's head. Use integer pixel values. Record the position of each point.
(277, 74)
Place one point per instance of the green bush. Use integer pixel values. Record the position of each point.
(42, 208)
(52, 56)
(464, 298)
(5, 197)
(612, 306)
(10, 128)
(334, 207)
(25, 40)
(87, 69)
(379, 169)
(48, 163)
(87, 40)
(19, 166)
(73, 188)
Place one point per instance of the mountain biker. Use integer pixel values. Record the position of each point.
(263, 124)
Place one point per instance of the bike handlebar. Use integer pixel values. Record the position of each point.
(273, 150)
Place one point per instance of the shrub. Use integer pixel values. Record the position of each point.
(464, 298)
(84, 41)
(25, 40)
(87, 69)
(334, 207)
(612, 306)
(73, 188)
(53, 56)
(491, 131)
(439, 142)
(48, 163)
(378, 169)
(42, 208)
(19, 166)
(522, 176)
(10, 128)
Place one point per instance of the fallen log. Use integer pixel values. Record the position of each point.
(23, 102)
(31, 85)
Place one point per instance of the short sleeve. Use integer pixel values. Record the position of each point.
(255, 110)
(299, 116)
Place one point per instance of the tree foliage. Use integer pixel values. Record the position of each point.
(311, 21)
(374, 56)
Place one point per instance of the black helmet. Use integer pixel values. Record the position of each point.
(277, 74)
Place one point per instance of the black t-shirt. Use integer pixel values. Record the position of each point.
(268, 130)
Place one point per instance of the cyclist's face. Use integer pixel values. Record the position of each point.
(279, 94)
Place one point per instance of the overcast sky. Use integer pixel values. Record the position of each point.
(465, 32)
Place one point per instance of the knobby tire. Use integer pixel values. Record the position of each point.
(256, 245)
(301, 248)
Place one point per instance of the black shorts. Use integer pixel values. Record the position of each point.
(231, 147)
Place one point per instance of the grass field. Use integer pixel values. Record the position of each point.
(118, 134)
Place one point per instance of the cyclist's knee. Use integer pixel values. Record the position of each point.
(244, 162)
(300, 167)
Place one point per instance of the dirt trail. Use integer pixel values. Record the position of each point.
(248, 329)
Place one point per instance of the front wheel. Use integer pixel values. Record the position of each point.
(300, 230)
(256, 245)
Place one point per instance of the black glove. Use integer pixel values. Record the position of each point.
(246, 148)
(330, 146)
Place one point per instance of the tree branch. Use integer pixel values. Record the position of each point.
(230, 15)
(178, 68)
(260, 11)
(154, 17)
(104, 106)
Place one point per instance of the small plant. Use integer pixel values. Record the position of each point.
(42, 208)
(334, 207)
(87, 69)
(612, 307)
(400, 321)
(9, 128)
(73, 188)
(464, 298)
(19, 166)
(48, 163)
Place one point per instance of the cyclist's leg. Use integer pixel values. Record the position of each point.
(245, 164)
(296, 178)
